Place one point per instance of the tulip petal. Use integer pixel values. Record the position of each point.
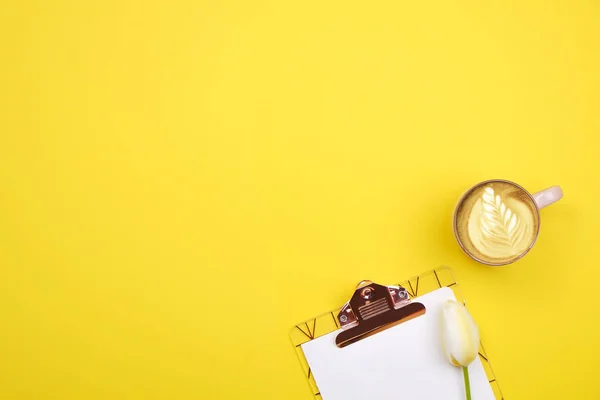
(460, 336)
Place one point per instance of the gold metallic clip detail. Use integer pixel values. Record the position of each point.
(374, 308)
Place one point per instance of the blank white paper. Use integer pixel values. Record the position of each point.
(402, 362)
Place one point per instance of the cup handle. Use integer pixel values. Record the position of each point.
(548, 196)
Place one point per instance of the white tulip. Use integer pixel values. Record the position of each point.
(460, 337)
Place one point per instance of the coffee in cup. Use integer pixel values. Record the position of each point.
(497, 222)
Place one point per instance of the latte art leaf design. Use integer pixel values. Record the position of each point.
(499, 224)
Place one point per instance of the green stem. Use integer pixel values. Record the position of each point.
(467, 383)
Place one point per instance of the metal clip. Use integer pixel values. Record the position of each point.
(374, 308)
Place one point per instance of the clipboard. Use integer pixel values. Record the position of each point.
(404, 293)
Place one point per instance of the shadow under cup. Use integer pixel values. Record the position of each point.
(497, 222)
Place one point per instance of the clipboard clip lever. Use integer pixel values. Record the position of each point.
(372, 309)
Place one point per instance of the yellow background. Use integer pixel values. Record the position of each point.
(182, 181)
